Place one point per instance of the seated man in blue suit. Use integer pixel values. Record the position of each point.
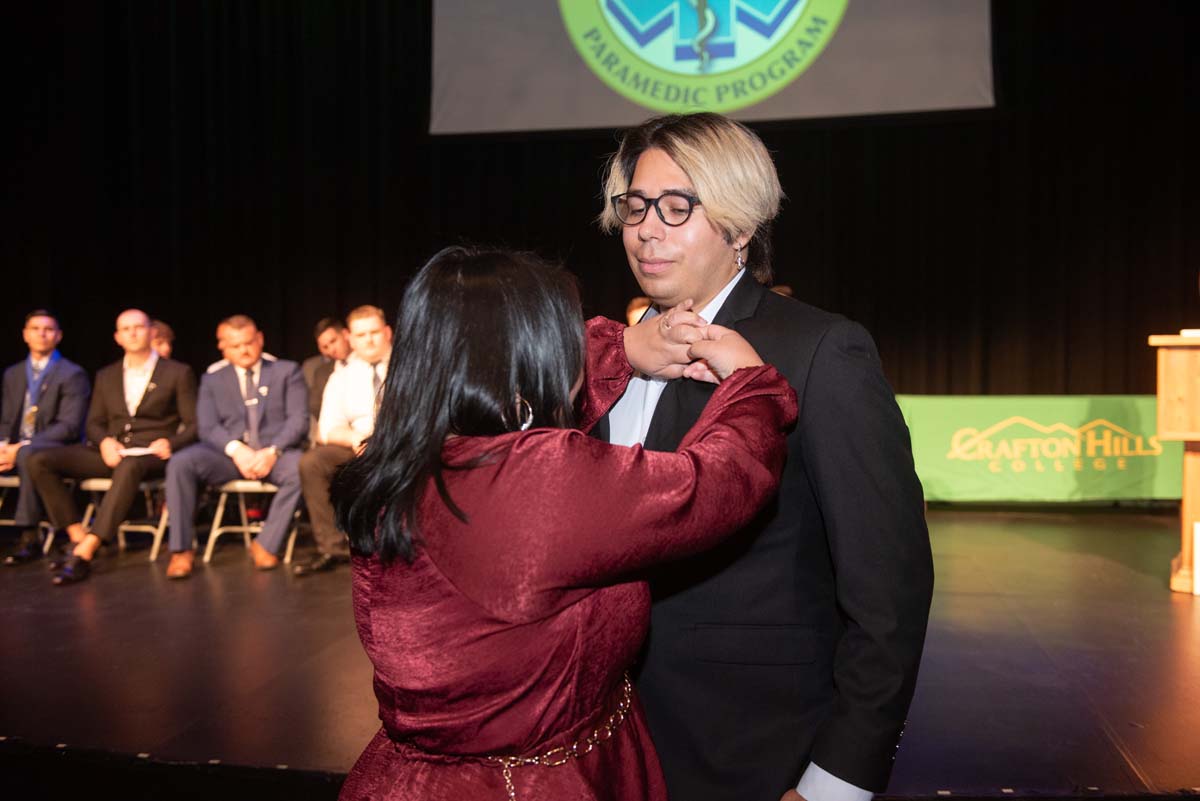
(45, 402)
(252, 417)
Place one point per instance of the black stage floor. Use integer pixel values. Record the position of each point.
(1058, 663)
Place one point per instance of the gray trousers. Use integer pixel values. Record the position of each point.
(316, 470)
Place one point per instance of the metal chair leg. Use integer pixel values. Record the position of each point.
(159, 533)
(215, 531)
(291, 543)
(245, 519)
(89, 511)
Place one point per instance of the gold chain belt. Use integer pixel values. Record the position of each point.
(565, 753)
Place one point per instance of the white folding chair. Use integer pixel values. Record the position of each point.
(241, 488)
(96, 487)
(7, 485)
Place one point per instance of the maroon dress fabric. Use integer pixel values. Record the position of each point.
(509, 634)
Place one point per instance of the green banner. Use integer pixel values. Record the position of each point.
(1041, 448)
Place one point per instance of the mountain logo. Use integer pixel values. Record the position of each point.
(700, 55)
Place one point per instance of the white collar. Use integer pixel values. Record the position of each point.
(710, 311)
(147, 366)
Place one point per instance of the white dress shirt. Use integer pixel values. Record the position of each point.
(349, 398)
(628, 422)
(137, 380)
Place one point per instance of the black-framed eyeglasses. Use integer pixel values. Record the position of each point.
(674, 208)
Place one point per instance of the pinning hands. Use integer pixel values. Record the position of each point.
(658, 346)
(680, 344)
(719, 354)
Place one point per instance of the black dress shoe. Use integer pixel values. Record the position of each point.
(74, 571)
(28, 549)
(321, 563)
(59, 557)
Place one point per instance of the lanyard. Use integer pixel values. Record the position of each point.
(33, 387)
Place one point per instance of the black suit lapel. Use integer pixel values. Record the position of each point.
(742, 302)
(683, 400)
(156, 377)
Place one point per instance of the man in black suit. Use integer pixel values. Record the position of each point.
(143, 410)
(45, 400)
(784, 661)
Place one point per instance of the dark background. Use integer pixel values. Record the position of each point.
(200, 159)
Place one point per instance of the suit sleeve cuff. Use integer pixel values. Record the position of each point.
(818, 784)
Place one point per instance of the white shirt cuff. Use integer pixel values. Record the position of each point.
(818, 784)
(232, 446)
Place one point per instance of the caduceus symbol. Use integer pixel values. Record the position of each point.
(707, 24)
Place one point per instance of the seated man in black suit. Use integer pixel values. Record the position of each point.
(782, 662)
(45, 401)
(143, 409)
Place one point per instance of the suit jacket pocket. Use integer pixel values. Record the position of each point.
(754, 644)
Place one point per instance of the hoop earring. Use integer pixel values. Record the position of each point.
(741, 263)
(524, 413)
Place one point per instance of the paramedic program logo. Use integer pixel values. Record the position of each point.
(691, 55)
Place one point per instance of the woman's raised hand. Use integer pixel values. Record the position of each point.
(658, 346)
(718, 354)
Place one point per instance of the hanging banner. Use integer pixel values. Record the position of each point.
(1041, 448)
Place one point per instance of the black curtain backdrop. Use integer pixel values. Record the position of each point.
(200, 159)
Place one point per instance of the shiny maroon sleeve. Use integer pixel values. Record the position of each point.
(562, 512)
(607, 372)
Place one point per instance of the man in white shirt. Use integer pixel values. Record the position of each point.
(252, 417)
(784, 660)
(347, 418)
(333, 346)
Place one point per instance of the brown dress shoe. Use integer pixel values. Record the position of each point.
(180, 566)
(263, 559)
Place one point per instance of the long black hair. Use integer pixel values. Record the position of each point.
(480, 333)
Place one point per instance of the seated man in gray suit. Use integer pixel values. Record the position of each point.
(252, 416)
(45, 402)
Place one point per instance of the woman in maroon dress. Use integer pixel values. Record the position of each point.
(497, 547)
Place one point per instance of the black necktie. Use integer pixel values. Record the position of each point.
(251, 397)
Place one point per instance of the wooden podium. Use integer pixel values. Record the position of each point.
(1179, 419)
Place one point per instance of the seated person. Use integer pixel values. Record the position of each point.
(222, 363)
(333, 344)
(162, 338)
(252, 417)
(143, 409)
(347, 418)
(45, 401)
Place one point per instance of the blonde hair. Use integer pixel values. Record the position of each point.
(729, 166)
(362, 312)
